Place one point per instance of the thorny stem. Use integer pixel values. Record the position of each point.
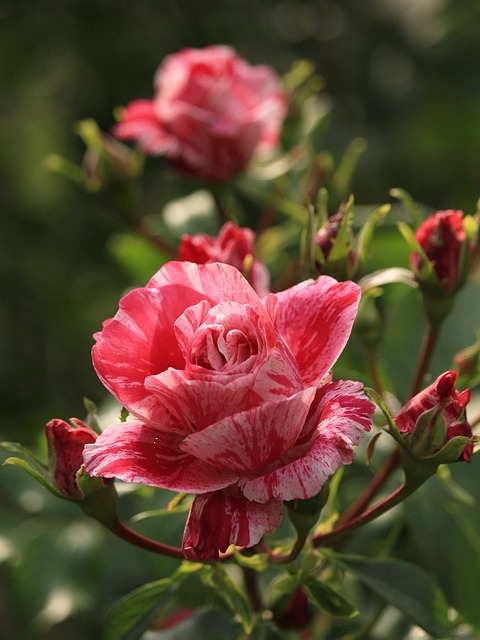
(371, 490)
(127, 534)
(329, 539)
(428, 346)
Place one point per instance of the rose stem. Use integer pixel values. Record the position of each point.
(428, 346)
(250, 577)
(125, 533)
(145, 232)
(371, 490)
(329, 539)
(373, 369)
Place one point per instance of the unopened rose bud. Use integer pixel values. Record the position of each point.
(435, 422)
(65, 455)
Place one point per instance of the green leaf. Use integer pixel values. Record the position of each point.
(204, 624)
(405, 586)
(134, 614)
(324, 597)
(232, 595)
(453, 555)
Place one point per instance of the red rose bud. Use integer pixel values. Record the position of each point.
(234, 245)
(335, 245)
(65, 454)
(436, 424)
(447, 240)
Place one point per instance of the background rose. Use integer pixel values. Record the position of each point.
(231, 396)
(210, 113)
(234, 245)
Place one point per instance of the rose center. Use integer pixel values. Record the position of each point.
(218, 347)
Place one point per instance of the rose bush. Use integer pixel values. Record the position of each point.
(234, 245)
(211, 112)
(231, 396)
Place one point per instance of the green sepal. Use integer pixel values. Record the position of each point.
(341, 246)
(32, 465)
(392, 427)
(451, 450)
(258, 561)
(323, 597)
(429, 433)
(91, 419)
(366, 234)
(409, 203)
(304, 514)
(99, 499)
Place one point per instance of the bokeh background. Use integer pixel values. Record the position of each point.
(402, 74)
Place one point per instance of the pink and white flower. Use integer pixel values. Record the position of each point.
(231, 396)
(211, 112)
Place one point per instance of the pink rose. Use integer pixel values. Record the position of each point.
(450, 406)
(234, 245)
(231, 396)
(65, 453)
(211, 112)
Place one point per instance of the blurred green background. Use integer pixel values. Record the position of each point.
(403, 74)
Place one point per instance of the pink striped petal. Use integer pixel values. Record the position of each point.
(197, 403)
(340, 417)
(316, 318)
(138, 342)
(253, 439)
(137, 452)
(219, 519)
(216, 282)
(140, 122)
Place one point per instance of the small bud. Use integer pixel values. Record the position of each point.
(303, 514)
(65, 456)
(435, 425)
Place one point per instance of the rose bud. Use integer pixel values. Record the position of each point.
(436, 424)
(210, 113)
(443, 239)
(65, 454)
(234, 245)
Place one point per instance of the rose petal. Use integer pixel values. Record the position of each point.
(252, 439)
(139, 341)
(139, 122)
(137, 452)
(219, 519)
(316, 318)
(340, 417)
(214, 282)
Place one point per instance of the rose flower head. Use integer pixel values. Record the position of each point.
(231, 397)
(446, 241)
(435, 421)
(210, 113)
(234, 245)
